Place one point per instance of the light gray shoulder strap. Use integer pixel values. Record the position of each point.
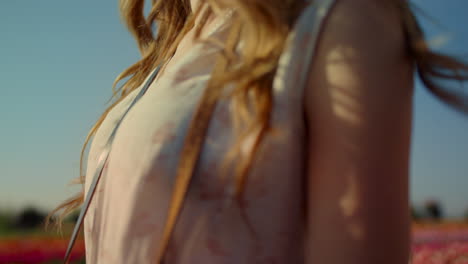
(295, 62)
(100, 166)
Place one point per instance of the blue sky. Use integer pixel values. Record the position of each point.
(58, 60)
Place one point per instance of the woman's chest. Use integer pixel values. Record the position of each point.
(139, 179)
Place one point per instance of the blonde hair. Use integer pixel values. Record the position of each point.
(263, 27)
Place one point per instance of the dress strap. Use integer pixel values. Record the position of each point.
(101, 162)
(295, 62)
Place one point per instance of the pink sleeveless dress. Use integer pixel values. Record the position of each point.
(126, 217)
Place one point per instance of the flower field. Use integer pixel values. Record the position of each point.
(444, 243)
(38, 250)
(433, 243)
(39, 246)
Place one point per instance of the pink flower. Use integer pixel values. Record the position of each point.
(37, 250)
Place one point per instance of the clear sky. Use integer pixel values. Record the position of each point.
(58, 60)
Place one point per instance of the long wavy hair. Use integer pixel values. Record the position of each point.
(263, 27)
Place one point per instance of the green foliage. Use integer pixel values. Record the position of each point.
(415, 214)
(5, 222)
(8, 230)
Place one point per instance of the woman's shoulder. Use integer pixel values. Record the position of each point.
(362, 38)
(360, 19)
(361, 58)
(380, 18)
(356, 35)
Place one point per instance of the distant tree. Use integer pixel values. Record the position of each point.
(5, 221)
(434, 209)
(29, 218)
(415, 214)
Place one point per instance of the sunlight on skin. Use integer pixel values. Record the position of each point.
(349, 200)
(346, 108)
(336, 64)
(340, 109)
(338, 75)
(349, 204)
(359, 113)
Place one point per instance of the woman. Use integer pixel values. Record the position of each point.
(274, 132)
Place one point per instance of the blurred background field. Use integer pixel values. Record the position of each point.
(444, 242)
(23, 239)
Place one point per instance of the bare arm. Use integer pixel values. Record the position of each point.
(359, 114)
